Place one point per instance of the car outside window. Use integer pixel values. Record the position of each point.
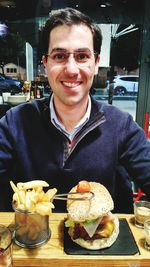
(125, 85)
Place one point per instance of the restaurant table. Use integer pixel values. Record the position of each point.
(52, 253)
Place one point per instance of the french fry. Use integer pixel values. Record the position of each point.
(33, 204)
(51, 193)
(22, 230)
(32, 184)
(14, 187)
(16, 198)
(33, 233)
(19, 195)
(31, 197)
(41, 196)
(34, 196)
(44, 208)
(22, 196)
(29, 205)
(20, 207)
(21, 219)
(39, 189)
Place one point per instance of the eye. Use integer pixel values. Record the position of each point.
(82, 56)
(59, 56)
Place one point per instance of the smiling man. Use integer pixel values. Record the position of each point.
(71, 64)
(69, 137)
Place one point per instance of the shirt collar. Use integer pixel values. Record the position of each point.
(60, 126)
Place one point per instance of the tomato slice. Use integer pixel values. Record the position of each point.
(83, 186)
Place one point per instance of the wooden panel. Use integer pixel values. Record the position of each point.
(52, 253)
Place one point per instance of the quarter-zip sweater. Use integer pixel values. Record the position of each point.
(111, 149)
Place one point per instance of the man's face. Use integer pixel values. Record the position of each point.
(71, 79)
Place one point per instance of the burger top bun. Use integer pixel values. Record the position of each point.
(99, 205)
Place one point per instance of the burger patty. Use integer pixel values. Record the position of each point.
(102, 231)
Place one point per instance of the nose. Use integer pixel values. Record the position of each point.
(71, 67)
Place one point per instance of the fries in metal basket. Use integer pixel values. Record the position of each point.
(30, 196)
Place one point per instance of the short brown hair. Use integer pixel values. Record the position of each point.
(69, 16)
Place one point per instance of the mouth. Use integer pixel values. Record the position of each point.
(71, 84)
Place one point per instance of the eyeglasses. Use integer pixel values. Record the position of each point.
(81, 57)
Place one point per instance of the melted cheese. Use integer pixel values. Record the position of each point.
(92, 226)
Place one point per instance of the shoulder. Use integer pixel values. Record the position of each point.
(22, 114)
(117, 120)
(28, 107)
(110, 112)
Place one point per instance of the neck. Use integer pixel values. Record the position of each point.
(70, 115)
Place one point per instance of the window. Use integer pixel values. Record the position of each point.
(11, 70)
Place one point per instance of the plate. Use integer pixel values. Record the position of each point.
(124, 245)
(16, 99)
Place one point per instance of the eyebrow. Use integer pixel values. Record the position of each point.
(65, 50)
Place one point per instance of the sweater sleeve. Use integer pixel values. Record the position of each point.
(6, 147)
(135, 154)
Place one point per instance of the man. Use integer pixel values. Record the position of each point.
(70, 136)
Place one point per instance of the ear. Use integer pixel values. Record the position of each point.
(44, 61)
(97, 64)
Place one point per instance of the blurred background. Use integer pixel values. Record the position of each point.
(123, 78)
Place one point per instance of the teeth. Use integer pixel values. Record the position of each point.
(70, 84)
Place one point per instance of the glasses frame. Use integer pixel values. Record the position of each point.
(64, 61)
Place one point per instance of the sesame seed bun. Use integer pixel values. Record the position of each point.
(91, 209)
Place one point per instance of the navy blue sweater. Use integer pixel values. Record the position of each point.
(111, 149)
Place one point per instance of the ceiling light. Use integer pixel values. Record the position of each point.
(102, 5)
(106, 3)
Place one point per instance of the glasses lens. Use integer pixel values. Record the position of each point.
(81, 57)
(58, 57)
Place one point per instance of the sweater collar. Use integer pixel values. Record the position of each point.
(96, 108)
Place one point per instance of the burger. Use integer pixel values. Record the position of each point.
(90, 221)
